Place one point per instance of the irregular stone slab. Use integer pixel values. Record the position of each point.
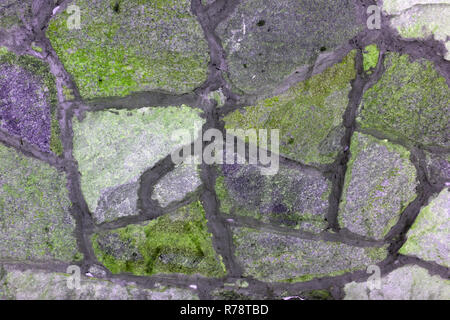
(380, 182)
(28, 103)
(177, 184)
(411, 102)
(126, 46)
(34, 211)
(421, 19)
(12, 13)
(114, 147)
(309, 115)
(405, 283)
(273, 257)
(293, 197)
(174, 243)
(267, 40)
(429, 236)
(41, 285)
(371, 55)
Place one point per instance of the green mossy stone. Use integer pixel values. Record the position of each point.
(114, 148)
(34, 210)
(309, 115)
(429, 236)
(268, 40)
(405, 283)
(127, 46)
(371, 54)
(411, 103)
(379, 184)
(41, 285)
(273, 257)
(174, 243)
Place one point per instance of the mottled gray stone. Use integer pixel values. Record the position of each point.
(295, 197)
(267, 40)
(380, 182)
(41, 285)
(405, 283)
(272, 257)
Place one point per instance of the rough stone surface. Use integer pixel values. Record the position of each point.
(429, 236)
(34, 211)
(178, 183)
(28, 106)
(272, 257)
(174, 243)
(114, 147)
(267, 40)
(309, 115)
(421, 19)
(406, 283)
(411, 102)
(293, 197)
(380, 182)
(41, 285)
(127, 46)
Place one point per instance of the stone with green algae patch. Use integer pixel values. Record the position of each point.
(429, 236)
(379, 183)
(14, 13)
(411, 103)
(34, 211)
(268, 40)
(126, 46)
(309, 115)
(115, 147)
(294, 197)
(42, 285)
(272, 257)
(178, 242)
(405, 283)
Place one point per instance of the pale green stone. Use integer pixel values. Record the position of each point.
(406, 283)
(429, 236)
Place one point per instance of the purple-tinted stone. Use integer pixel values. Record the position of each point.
(24, 107)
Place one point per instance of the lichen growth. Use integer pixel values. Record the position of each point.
(309, 115)
(173, 243)
(145, 46)
(370, 57)
(34, 210)
(411, 103)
